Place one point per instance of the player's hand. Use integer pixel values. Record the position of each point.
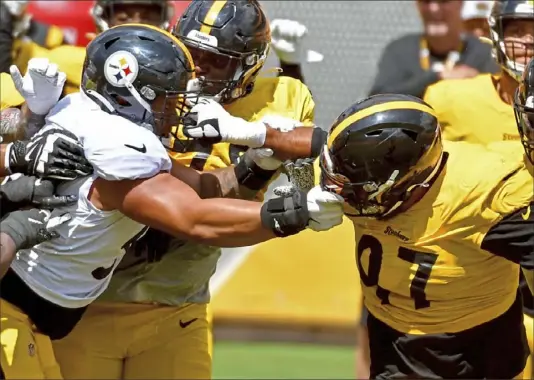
(31, 227)
(325, 209)
(264, 158)
(213, 124)
(459, 72)
(301, 174)
(42, 85)
(287, 42)
(22, 191)
(51, 153)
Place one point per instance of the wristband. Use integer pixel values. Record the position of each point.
(319, 137)
(286, 216)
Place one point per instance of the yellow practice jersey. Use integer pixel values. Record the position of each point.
(69, 60)
(471, 110)
(423, 271)
(281, 96)
(9, 96)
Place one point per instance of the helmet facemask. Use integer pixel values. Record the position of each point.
(364, 198)
(378, 199)
(524, 116)
(226, 75)
(514, 63)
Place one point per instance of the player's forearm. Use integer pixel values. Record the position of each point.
(167, 204)
(219, 183)
(302, 142)
(216, 222)
(8, 250)
(229, 223)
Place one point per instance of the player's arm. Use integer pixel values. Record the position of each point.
(301, 142)
(242, 181)
(513, 239)
(170, 205)
(214, 124)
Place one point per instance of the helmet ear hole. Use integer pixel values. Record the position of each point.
(411, 134)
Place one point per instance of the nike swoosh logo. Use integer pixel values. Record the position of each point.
(526, 215)
(101, 273)
(185, 324)
(139, 149)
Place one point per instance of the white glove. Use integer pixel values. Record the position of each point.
(42, 85)
(264, 157)
(214, 124)
(325, 209)
(287, 38)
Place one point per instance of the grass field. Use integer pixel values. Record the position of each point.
(259, 360)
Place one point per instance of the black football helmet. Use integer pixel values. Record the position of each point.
(229, 41)
(103, 11)
(141, 73)
(379, 150)
(524, 110)
(502, 11)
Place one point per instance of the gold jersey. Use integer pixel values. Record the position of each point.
(423, 271)
(471, 110)
(9, 96)
(70, 60)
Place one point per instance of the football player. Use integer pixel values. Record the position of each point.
(135, 78)
(478, 109)
(162, 284)
(524, 113)
(427, 228)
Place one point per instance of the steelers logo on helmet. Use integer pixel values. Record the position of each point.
(121, 68)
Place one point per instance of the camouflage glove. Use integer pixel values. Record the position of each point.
(301, 174)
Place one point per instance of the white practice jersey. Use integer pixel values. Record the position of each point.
(74, 269)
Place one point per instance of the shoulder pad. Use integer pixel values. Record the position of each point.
(119, 149)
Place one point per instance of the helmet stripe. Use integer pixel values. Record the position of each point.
(338, 129)
(212, 15)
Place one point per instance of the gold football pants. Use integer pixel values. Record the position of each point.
(26, 353)
(528, 372)
(137, 341)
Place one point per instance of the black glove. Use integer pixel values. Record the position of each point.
(152, 245)
(24, 191)
(53, 153)
(31, 227)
